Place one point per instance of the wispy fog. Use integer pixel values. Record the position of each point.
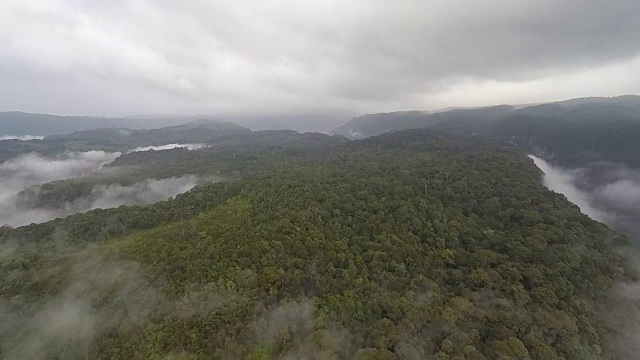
(21, 137)
(96, 296)
(169, 146)
(563, 181)
(145, 192)
(606, 192)
(32, 169)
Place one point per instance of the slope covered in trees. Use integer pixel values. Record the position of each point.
(226, 156)
(569, 133)
(408, 245)
(121, 139)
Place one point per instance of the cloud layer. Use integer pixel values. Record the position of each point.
(122, 57)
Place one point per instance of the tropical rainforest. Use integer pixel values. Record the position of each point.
(415, 244)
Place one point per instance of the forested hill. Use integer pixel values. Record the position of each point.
(21, 123)
(123, 139)
(571, 133)
(199, 131)
(410, 245)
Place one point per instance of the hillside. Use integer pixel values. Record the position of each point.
(122, 139)
(570, 133)
(375, 124)
(408, 245)
(227, 156)
(20, 123)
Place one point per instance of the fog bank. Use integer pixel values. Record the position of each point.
(609, 193)
(563, 181)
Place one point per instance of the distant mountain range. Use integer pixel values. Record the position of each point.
(122, 139)
(568, 132)
(20, 123)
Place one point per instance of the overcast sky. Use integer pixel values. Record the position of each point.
(122, 57)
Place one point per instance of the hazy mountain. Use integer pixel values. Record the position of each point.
(568, 132)
(463, 121)
(122, 139)
(20, 123)
(375, 124)
(301, 121)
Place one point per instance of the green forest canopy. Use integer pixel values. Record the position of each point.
(408, 245)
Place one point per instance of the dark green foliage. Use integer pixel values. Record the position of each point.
(404, 246)
(228, 157)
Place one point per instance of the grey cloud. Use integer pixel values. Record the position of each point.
(250, 55)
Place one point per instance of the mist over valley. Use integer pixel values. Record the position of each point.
(608, 193)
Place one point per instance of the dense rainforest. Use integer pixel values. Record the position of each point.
(409, 245)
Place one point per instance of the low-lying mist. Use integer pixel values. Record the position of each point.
(102, 197)
(32, 169)
(608, 193)
(86, 296)
(169, 147)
